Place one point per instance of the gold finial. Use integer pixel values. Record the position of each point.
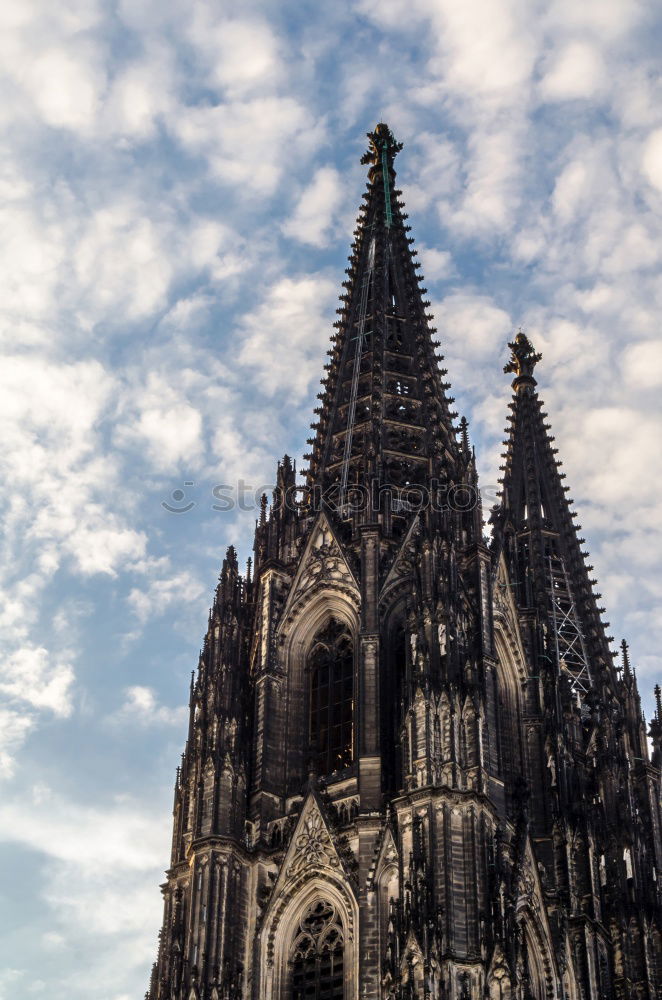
(523, 357)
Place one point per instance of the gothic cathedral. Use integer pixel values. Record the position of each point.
(413, 767)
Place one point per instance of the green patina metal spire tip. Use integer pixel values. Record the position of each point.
(382, 151)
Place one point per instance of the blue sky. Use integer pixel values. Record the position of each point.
(178, 187)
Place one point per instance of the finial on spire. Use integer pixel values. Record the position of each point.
(523, 359)
(382, 141)
(658, 702)
(625, 653)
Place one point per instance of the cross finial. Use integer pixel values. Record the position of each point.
(381, 140)
(523, 358)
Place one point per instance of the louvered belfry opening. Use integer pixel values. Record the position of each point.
(317, 962)
(331, 667)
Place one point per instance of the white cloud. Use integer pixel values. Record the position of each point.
(652, 158)
(121, 262)
(437, 264)
(472, 325)
(241, 56)
(52, 63)
(50, 416)
(14, 728)
(38, 678)
(487, 44)
(9, 978)
(294, 311)
(159, 418)
(99, 866)
(576, 72)
(143, 93)
(121, 834)
(141, 708)
(603, 20)
(161, 595)
(571, 351)
(642, 364)
(316, 208)
(247, 144)
(492, 189)
(637, 250)
(435, 171)
(573, 186)
(65, 88)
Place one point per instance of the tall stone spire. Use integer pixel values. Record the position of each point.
(534, 525)
(384, 414)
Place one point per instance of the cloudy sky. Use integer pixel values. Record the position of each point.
(178, 186)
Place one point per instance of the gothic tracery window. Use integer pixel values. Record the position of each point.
(331, 665)
(317, 956)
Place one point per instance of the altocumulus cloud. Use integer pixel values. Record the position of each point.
(178, 191)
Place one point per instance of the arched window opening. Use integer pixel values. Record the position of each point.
(317, 956)
(331, 665)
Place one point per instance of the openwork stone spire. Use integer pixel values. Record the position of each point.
(384, 415)
(535, 527)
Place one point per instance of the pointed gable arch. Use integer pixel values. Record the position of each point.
(323, 568)
(325, 609)
(323, 592)
(311, 872)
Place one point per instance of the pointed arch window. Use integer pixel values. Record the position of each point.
(331, 666)
(317, 956)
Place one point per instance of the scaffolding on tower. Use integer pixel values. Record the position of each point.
(570, 646)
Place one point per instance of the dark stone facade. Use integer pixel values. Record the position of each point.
(489, 822)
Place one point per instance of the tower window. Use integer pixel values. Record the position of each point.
(331, 666)
(317, 958)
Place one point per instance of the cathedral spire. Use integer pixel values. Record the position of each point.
(384, 416)
(411, 768)
(535, 528)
